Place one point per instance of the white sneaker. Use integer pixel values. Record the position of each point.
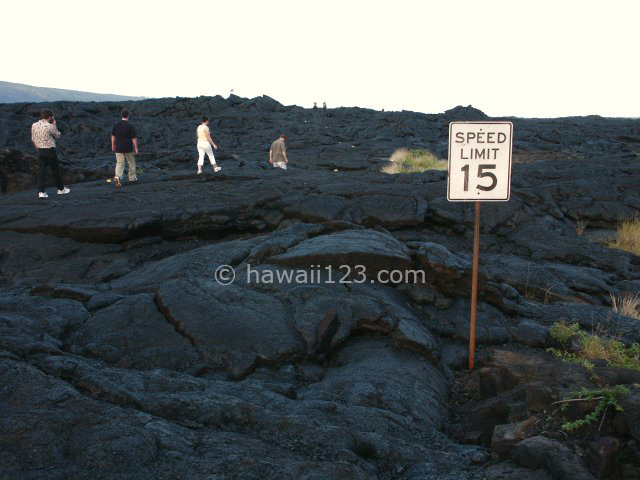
(43, 195)
(64, 191)
(216, 169)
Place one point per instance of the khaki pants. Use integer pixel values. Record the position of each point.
(281, 165)
(131, 160)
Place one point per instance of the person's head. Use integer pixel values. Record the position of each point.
(46, 114)
(283, 136)
(125, 114)
(205, 120)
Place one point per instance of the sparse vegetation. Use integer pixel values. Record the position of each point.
(563, 332)
(627, 304)
(615, 353)
(581, 226)
(606, 397)
(628, 236)
(569, 357)
(591, 347)
(419, 160)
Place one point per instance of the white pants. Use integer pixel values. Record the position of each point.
(205, 147)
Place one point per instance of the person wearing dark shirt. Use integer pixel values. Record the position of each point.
(124, 143)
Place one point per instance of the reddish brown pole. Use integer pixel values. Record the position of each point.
(474, 287)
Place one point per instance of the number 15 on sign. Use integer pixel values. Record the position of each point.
(479, 161)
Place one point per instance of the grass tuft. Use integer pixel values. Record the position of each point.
(628, 236)
(591, 348)
(581, 226)
(627, 304)
(404, 160)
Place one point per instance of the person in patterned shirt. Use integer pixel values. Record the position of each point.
(44, 134)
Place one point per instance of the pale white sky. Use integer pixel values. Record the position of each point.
(525, 58)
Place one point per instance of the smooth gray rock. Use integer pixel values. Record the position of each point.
(370, 249)
(232, 328)
(132, 333)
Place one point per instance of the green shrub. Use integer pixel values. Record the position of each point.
(563, 332)
(570, 358)
(593, 347)
(418, 160)
(606, 397)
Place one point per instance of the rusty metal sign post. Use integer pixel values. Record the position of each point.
(479, 171)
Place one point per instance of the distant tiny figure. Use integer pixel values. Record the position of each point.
(278, 153)
(124, 143)
(44, 134)
(324, 106)
(315, 105)
(204, 145)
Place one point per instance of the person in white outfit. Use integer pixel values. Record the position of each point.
(204, 146)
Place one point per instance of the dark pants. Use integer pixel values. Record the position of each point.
(48, 157)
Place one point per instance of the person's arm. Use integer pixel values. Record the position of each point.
(284, 154)
(113, 138)
(211, 141)
(271, 156)
(55, 133)
(134, 138)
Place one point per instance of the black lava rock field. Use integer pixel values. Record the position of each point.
(122, 355)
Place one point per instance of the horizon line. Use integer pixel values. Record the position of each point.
(139, 98)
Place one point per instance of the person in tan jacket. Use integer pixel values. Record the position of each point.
(278, 153)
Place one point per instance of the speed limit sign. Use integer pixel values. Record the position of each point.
(479, 161)
(479, 171)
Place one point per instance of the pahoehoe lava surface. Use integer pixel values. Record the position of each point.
(123, 358)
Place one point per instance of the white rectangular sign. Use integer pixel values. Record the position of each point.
(479, 161)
